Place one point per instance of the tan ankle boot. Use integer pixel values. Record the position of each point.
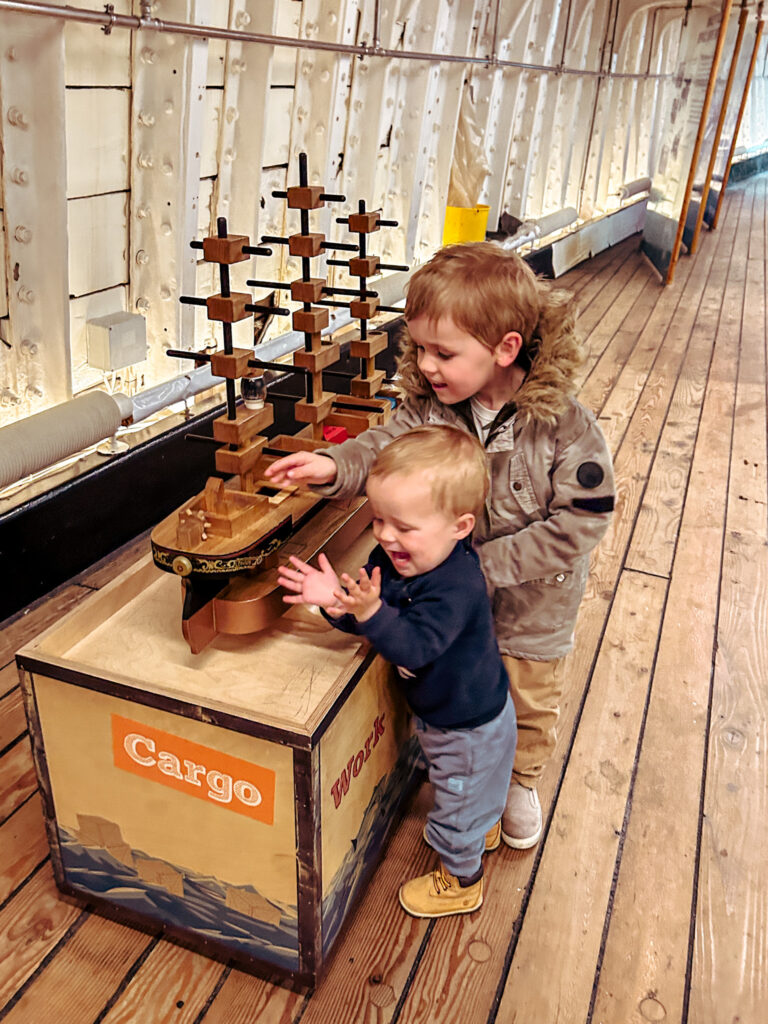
(439, 894)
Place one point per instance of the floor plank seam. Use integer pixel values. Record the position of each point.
(214, 993)
(9, 746)
(627, 814)
(412, 973)
(628, 315)
(15, 685)
(19, 806)
(616, 268)
(47, 959)
(518, 924)
(23, 803)
(710, 694)
(683, 358)
(625, 568)
(646, 572)
(14, 892)
(127, 978)
(303, 1008)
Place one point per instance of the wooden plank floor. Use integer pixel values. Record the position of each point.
(646, 899)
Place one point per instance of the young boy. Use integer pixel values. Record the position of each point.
(492, 350)
(423, 604)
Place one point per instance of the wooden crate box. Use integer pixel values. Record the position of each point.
(239, 799)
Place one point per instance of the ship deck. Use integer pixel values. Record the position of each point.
(646, 898)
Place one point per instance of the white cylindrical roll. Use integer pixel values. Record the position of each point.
(633, 188)
(55, 433)
(556, 221)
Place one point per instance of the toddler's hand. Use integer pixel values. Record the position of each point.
(363, 597)
(311, 586)
(302, 468)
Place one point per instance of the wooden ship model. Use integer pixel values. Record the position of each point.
(225, 542)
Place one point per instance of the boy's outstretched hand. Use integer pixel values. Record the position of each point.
(312, 586)
(363, 597)
(302, 468)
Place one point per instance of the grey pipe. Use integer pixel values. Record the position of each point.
(40, 440)
(110, 20)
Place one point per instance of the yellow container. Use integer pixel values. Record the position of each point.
(465, 224)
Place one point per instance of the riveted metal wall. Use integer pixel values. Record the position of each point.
(35, 354)
(140, 135)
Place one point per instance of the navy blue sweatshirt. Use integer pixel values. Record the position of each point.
(439, 626)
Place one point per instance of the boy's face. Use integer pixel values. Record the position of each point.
(455, 363)
(414, 533)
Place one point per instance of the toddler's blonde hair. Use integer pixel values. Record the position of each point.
(450, 459)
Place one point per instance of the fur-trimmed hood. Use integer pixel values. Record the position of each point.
(553, 356)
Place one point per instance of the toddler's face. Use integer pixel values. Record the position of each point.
(455, 363)
(416, 535)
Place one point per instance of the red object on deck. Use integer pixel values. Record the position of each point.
(335, 434)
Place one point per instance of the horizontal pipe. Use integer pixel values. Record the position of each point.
(108, 20)
(40, 441)
(47, 437)
(632, 188)
(555, 221)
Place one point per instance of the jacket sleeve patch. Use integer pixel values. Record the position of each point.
(594, 504)
(590, 475)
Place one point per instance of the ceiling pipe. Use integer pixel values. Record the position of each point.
(109, 20)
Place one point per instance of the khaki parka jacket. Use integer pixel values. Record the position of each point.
(550, 502)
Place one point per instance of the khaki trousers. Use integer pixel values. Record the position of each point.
(536, 688)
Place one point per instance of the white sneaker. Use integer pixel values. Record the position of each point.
(521, 821)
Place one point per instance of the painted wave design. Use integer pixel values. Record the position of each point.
(201, 905)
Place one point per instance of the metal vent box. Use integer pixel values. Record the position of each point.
(116, 341)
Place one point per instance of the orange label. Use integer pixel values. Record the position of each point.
(191, 768)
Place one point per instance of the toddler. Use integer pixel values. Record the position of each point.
(423, 604)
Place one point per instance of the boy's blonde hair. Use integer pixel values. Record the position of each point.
(450, 459)
(488, 291)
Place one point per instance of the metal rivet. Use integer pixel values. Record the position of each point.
(22, 234)
(19, 176)
(26, 295)
(146, 118)
(142, 258)
(8, 397)
(148, 55)
(142, 304)
(29, 347)
(145, 161)
(16, 118)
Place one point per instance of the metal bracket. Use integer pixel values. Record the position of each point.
(110, 10)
